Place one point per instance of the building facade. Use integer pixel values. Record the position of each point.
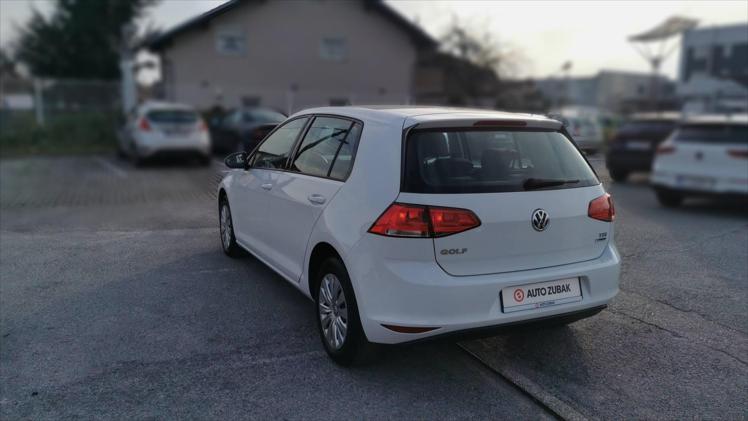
(291, 55)
(611, 91)
(713, 71)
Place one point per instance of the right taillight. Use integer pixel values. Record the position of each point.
(738, 153)
(602, 209)
(665, 149)
(144, 125)
(405, 220)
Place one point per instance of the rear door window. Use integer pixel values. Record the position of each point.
(482, 161)
(327, 148)
(713, 133)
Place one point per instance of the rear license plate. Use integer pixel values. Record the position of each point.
(638, 146)
(541, 294)
(694, 182)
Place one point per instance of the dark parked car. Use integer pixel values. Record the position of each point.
(633, 146)
(243, 128)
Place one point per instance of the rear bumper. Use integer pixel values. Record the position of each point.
(420, 294)
(173, 150)
(536, 323)
(151, 146)
(674, 181)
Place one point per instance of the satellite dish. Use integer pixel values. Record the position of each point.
(672, 26)
(660, 35)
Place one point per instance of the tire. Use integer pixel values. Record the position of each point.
(669, 199)
(618, 175)
(332, 284)
(226, 230)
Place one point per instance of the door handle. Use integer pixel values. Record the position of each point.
(267, 186)
(316, 199)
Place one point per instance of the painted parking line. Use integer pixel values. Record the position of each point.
(108, 165)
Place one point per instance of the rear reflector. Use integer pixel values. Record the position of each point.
(602, 209)
(404, 220)
(409, 329)
(738, 153)
(665, 149)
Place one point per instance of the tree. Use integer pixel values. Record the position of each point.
(480, 49)
(80, 39)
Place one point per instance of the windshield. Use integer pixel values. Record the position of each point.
(482, 161)
(713, 133)
(172, 116)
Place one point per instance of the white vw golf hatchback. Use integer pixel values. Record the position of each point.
(406, 223)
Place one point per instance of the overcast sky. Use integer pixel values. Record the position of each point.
(592, 35)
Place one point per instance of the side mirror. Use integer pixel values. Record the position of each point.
(237, 160)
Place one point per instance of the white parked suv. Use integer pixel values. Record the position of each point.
(705, 155)
(164, 128)
(407, 223)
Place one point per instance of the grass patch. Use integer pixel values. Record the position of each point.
(65, 134)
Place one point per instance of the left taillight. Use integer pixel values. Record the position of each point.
(201, 126)
(602, 209)
(418, 221)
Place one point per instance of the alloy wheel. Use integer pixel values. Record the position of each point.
(333, 311)
(226, 226)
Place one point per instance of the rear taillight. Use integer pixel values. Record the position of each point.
(738, 153)
(201, 126)
(665, 149)
(144, 125)
(403, 220)
(602, 209)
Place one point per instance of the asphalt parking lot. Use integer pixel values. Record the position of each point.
(116, 301)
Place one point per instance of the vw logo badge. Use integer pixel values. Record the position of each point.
(539, 220)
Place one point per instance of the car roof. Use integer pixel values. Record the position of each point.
(656, 116)
(716, 119)
(163, 105)
(417, 114)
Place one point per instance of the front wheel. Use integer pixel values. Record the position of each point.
(226, 224)
(338, 319)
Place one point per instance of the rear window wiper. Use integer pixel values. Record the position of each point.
(539, 183)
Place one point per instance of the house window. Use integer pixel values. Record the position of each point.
(333, 49)
(231, 41)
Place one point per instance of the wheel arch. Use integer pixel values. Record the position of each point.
(222, 196)
(320, 252)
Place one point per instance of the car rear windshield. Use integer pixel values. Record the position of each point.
(172, 116)
(713, 133)
(485, 161)
(263, 116)
(645, 126)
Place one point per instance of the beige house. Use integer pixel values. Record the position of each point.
(291, 55)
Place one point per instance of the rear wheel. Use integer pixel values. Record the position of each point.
(618, 174)
(337, 315)
(226, 224)
(669, 199)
